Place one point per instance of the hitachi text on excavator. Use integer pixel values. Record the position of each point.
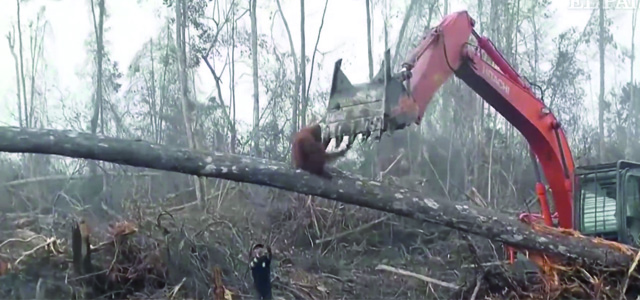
(599, 200)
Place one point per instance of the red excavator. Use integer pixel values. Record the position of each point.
(599, 200)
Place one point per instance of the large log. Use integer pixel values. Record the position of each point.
(474, 220)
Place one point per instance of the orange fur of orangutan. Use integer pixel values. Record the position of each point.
(309, 154)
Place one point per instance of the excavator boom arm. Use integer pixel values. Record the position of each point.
(446, 50)
(534, 120)
(443, 52)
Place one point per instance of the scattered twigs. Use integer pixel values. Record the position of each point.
(383, 173)
(231, 227)
(11, 240)
(50, 244)
(311, 205)
(174, 290)
(487, 264)
(181, 207)
(68, 177)
(294, 292)
(626, 279)
(85, 276)
(417, 276)
(40, 290)
(476, 289)
(345, 233)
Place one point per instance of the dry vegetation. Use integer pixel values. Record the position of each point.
(175, 247)
(154, 243)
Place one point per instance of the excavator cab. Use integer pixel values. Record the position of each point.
(364, 108)
(607, 201)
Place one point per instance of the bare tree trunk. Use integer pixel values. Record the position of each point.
(601, 104)
(315, 48)
(303, 68)
(232, 89)
(35, 50)
(98, 26)
(36, 39)
(634, 102)
(22, 115)
(163, 85)
(514, 27)
(256, 91)
(478, 130)
(375, 169)
(187, 114)
(227, 115)
(294, 100)
(482, 103)
(154, 99)
(11, 39)
(369, 46)
(407, 17)
(22, 76)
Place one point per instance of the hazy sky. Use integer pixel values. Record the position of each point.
(131, 24)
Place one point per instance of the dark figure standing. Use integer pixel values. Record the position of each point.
(261, 270)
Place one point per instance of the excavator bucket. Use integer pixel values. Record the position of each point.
(367, 109)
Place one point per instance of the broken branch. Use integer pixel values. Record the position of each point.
(417, 276)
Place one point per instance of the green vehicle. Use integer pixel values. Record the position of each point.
(607, 201)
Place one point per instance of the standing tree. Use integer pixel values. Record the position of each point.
(30, 96)
(232, 80)
(303, 68)
(369, 46)
(294, 100)
(11, 39)
(601, 103)
(256, 90)
(187, 109)
(98, 28)
(21, 56)
(635, 105)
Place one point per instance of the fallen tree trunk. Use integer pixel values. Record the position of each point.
(360, 192)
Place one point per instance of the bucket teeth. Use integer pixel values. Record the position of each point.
(366, 135)
(325, 143)
(352, 139)
(363, 108)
